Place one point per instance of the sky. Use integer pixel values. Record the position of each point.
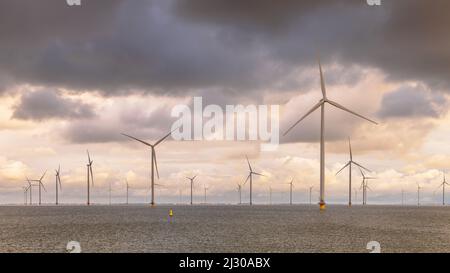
(73, 78)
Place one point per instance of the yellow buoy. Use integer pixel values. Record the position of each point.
(322, 206)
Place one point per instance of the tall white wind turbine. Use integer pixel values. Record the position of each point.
(90, 178)
(250, 177)
(321, 105)
(154, 164)
(365, 185)
(349, 165)
(58, 183)
(191, 179)
(443, 189)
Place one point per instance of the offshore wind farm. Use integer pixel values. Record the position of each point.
(311, 126)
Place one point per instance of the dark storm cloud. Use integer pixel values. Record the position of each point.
(174, 47)
(410, 101)
(48, 104)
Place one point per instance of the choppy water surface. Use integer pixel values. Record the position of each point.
(224, 228)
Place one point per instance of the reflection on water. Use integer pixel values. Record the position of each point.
(224, 228)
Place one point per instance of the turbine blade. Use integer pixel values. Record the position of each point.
(357, 164)
(141, 141)
(92, 175)
(322, 80)
(248, 162)
(43, 175)
(59, 180)
(156, 163)
(166, 136)
(247, 179)
(258, 174)
(89, 157)
(43, 186)
(335, 104)
(194, 177)
(350, 148)
(345, 166)
(302, 118)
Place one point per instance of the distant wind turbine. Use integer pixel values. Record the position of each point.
(418, 194)
(349, 165)
(192, 184)
(443, 188)
(291, 185)
(25, 195)
(270, 195)
(128, 188)
(40, 184)
(310, 194)
(321, 104)
(30, 188)
(250, 177)
(58, 183)
(239, 188)
(90, 178)
(365, 186)
(154, 163)
(205, 188)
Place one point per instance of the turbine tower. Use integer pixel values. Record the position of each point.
(310, 194)
(443, 189)
(239, 188)
(90, 178)
(322, 104)
(364, 185)
(291, 185)
(30, 188)
(154, 164)
(205, 188)
(418, 194)
(349, 165)
(58, 183)
(40, 184)
(250, 177)
(270, 195)
(128, 188)
(192, 185)
(25, 195)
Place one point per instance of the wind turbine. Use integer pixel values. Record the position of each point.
(30, 188)
(192, 184)
(90, 178)
(365, 186)
(40, 184)
(291, 185)
(418, 194)
(321, 104)
(270, 195)
(250, 176)
(239, 188)
(443, 189)
(349, 165)
(25, 195)
(310, 194)
(205, 188)
(58, 183)
(128, 187)
(154, 163)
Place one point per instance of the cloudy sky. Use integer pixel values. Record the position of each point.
(74, 78)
